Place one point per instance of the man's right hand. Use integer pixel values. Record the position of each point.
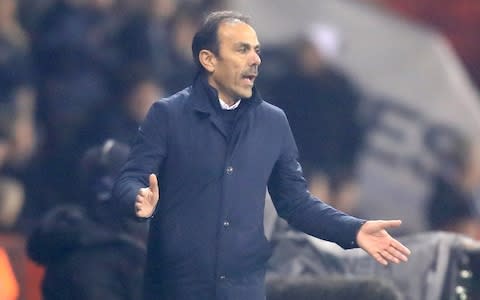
(147, 198)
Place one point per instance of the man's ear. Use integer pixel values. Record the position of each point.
(208, 60)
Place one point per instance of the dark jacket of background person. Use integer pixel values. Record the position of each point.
(89, 252)
(322, 108)
(85, 261)
(206, 237)
(450, 208)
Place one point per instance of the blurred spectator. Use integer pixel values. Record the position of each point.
(321, 103)
(182, 28)
(11, 191)
(16, 90)
(88, 252)
(120, 119)
(453, 205)
(18, 138)
(76, 58)
(161, 39)
(14, 51)
(147, 37)
(31, 12)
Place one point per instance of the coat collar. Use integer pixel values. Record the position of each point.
(205, 97)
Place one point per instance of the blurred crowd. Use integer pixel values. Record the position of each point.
(72, 74)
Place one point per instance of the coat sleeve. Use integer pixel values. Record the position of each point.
(295, 204)
(147, 155)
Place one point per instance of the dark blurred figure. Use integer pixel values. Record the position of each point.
(75, 59)
(17, 96)
(453, 205)
(31, 12)
(161, 38)
(88, 252)
(137, 91)
(143, 40)
(322, 104)
(18, 136)
(182, 28)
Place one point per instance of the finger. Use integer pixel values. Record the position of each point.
(379, 258)
(138, 207)
(397, 254)
(143, 192)
(391, 223)
(400, 247)
(389, 257)
(153, 183)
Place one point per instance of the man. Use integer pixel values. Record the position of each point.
(216, 147)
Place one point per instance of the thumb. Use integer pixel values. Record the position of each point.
(153, 184)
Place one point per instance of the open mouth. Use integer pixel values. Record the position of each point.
(249, 78)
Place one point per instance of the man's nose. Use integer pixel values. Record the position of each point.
(255, 59)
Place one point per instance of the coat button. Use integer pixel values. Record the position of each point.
(226, 224)
(229, 170)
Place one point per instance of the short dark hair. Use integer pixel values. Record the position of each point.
(206, 38)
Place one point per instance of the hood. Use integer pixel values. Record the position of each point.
(67, 229)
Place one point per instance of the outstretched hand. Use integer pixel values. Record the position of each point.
(376, 241)
(147, 198)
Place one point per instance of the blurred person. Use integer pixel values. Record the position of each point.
(182, 28)
(75, 60)
(138, 89)
(454, 204)
(339, 190)
(216, 146)
(12, 194)
(322, 104)
(31, 12)
(14, 155)
(143, 40)
(16, 87)
(88, 251)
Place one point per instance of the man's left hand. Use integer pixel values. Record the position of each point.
(376, 241)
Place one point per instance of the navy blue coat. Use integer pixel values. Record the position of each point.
(206, 237)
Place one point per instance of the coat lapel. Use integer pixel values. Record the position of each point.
(202, 104)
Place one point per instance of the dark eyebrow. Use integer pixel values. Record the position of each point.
(246, 45)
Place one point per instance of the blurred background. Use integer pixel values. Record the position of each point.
(382, 97)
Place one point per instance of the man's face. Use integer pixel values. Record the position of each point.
(235, 67)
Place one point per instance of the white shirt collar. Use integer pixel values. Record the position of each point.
(225, 106)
